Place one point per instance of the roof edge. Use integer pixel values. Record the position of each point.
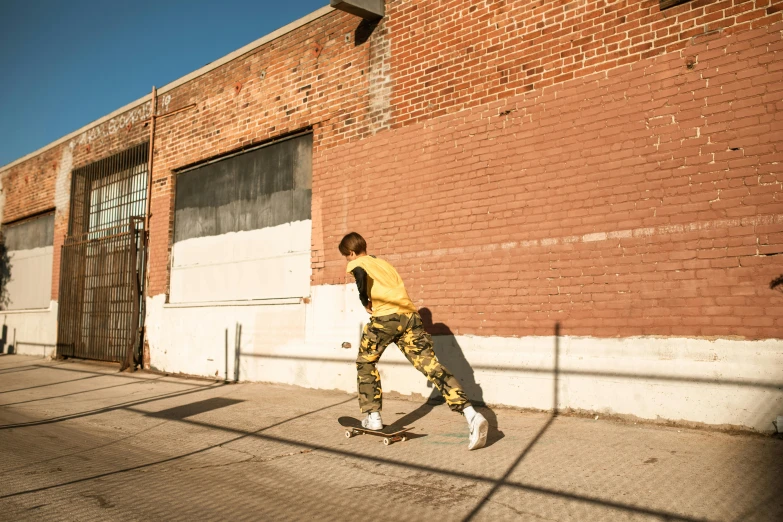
(180, 81)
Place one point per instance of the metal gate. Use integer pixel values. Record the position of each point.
(100, 314)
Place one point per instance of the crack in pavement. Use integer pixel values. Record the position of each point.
(518, 511)
(351, 462)
(276, 457)
(250, 459)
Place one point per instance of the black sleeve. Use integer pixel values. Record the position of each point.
(361, 283)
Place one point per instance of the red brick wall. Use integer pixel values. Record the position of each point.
(29, 189)
(640, 200)
(451, 54)
(598, 163)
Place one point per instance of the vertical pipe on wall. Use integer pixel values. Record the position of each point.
(147, 214)
(153, 108)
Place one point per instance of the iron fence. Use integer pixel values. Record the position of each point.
(100, 313)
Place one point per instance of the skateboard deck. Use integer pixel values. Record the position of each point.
(354, 427)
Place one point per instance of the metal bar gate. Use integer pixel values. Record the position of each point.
(100, 313)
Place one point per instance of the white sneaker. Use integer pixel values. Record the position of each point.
(478, 432)
(373, 421)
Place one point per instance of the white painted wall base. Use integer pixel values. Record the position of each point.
(31, 332)
(719, 382)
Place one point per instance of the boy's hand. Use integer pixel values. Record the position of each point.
(369, 308)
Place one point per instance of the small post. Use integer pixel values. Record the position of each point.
(237, 347)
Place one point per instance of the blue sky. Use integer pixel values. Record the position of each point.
(66, 63)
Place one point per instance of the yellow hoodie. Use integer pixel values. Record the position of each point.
(384, 288)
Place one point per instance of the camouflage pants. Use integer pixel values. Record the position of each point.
(407, 332)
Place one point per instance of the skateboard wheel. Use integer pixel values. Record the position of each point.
(348, 434)
(404, 438)
(386, 441)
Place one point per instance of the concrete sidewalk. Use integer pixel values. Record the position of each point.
(81, 441)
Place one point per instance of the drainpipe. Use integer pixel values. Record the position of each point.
(147, 215)
(153, 108)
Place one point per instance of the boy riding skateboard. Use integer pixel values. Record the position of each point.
(394, 319)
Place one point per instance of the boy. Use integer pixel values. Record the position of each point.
(394, 319)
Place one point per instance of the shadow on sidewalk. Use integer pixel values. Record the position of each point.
(263, 434)
(184, 415)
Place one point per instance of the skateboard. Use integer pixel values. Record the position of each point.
(354, 427)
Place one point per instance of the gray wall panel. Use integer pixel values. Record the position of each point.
(34, 233)
(266, 187)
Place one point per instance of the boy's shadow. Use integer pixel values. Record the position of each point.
(449, 352)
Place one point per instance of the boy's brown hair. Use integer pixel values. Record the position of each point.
(353, 242)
